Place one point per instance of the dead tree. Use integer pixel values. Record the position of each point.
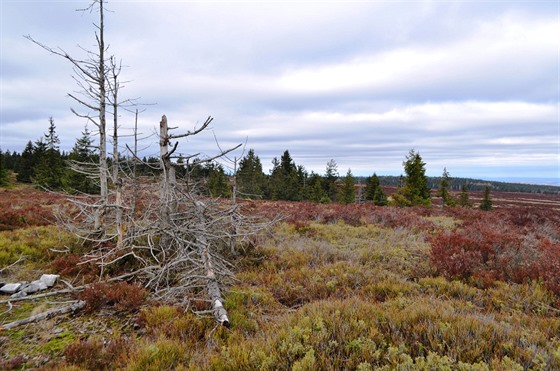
(91, 77)
(177, 240)
(172, 224)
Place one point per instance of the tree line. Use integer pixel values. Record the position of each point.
(43, 164)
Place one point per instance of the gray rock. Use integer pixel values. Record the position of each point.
(49, 279)
(19, 294)
(10, 288)
(34, 286)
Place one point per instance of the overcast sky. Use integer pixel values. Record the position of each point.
(474, 86)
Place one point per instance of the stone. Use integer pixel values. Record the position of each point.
(10, 288)
(19, 294)
(49, 279)
(34, 286)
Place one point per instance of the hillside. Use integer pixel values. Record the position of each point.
(475, 185)
(329, 287)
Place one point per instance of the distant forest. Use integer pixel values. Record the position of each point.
(474, 184)
(43, 164)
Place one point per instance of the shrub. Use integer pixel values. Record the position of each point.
(173, 323)
(548, 266)
(494, 248)
(456, 255)
(95, 354)
(123, 296)
(35, 243)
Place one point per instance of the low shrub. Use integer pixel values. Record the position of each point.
(96, 354)
(122, 296)
(492, 249)
(34, 243)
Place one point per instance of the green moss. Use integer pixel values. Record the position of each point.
(57, 344)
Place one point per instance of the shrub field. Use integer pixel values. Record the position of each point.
(331, 287)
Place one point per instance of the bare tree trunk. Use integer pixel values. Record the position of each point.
(103, 171)
(233, 239)
(212, 286)
(134, 193)
(168, 201)
(117, 181)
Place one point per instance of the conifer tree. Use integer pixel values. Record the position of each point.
(49, 167)
(374, 192)
(443, 191)
(331, 176)
(27, 163)
(415, 191)
(315, 192)
(11, 160)
(218, 183)
(347, 193)
(486, 203)
(79, 178)
(251, 180)
(372, 184)
(464, 197)
(3, 171)
(286, 179)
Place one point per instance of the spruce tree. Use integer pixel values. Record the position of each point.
(251, 180)
(486, 203)
(286, 182)
(11, 160)
(83, 155)
(218, 183)
(26, 165)
(331, 176)
(315, 192)
(380, 198)
(3, 171)
(49, 169)
(464, 197)
(372, 184)
(415, 191)
(443, 191)
(374, 192)
(347, 193)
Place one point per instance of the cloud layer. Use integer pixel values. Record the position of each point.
(473, 86)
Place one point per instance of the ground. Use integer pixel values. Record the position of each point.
(330, 287)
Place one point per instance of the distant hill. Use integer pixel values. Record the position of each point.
(474, 184)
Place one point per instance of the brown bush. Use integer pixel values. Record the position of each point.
(93, 354)
(122, 296)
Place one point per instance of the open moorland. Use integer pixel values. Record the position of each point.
(329, 287)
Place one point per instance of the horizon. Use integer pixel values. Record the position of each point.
(466, 84)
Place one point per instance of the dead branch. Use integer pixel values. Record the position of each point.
(45, 315)
(19, 260)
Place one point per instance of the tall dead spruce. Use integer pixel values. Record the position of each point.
(193, 231)
(176, 241)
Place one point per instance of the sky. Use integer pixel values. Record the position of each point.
(473, 86)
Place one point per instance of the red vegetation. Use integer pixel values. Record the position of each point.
(27, 207)
(123, 296)
(510, 245)
(516, 242)
(93, 354)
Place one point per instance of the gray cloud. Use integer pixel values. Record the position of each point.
(472, 86)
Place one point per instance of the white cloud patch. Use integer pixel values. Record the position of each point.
(472, 86)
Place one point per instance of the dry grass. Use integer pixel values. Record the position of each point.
(324, 294)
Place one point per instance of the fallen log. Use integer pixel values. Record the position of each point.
(212, 286)
(45, 315)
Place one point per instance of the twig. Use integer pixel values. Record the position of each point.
(20, 259)
(45, 315)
